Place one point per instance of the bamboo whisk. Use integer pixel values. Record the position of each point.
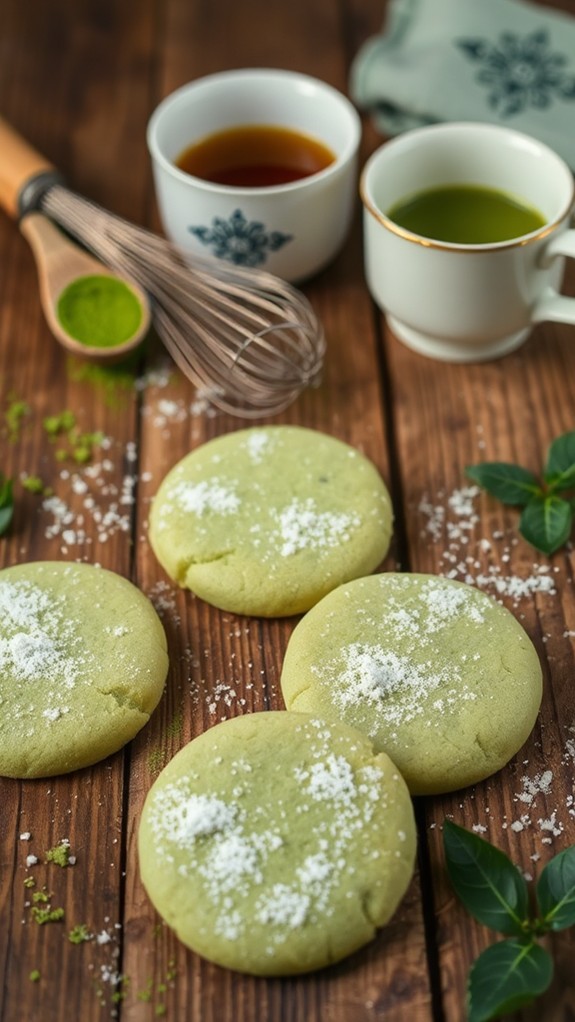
(248, 338)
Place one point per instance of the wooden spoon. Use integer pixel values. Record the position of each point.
(60, 262)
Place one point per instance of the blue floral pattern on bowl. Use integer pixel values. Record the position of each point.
(239, 241)
(520, 72)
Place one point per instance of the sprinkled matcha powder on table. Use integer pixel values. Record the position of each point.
(14, 417)
(79, 934)
(60, 854)
(46, 915)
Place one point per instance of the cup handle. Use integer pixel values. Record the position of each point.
(552, 305)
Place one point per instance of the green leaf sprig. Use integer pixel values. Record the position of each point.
(548, 503)
(511, 973)
(6, 503)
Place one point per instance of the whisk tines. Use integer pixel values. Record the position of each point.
(250, 339)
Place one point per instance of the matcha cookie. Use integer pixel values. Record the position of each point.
(267, 521)
(439, 675)
(276, 844)
(82, 665)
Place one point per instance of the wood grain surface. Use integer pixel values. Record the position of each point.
(79, 79)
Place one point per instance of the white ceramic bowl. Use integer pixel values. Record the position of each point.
(293, 229)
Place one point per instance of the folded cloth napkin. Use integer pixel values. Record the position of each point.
(504, 61)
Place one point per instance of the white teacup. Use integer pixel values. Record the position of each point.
(291, 229)
(467, 302)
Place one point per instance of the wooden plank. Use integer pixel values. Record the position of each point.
(447, 417)
(60, 84)
(233, 664)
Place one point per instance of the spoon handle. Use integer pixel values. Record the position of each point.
(55, 254)
(20, 163)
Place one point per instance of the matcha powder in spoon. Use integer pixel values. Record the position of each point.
(99, 311)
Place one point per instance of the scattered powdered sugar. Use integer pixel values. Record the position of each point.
(55, 712)
(391, 682)
(463, 520)
(569, 752)
(258, 443)
(540, 784)
(332, 778)
(303, 526)
(316, 868)
(283, 906)
(398, 677)
(159, 376)
(235, 857)
(541, 810)
(514, 586)
(444, 604)
(188, 818)
(202, 403)
(164, 599)
(37, 642)
(532, 786)
(453, 520)
(202, 497)
(97, 508)
(223, 693)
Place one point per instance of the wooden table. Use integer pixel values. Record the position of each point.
(80, 79)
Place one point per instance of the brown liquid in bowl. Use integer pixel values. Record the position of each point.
(255, 156)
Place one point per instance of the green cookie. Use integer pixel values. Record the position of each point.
(82, 665)
(266, 521)
(439, 675)
(276, 844)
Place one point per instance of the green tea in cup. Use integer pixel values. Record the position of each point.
(466, 215)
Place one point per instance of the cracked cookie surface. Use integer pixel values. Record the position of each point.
(275, 844)
(266, 521)
(83, 662)
(439, 675)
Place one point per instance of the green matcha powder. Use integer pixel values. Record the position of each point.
(99, 311)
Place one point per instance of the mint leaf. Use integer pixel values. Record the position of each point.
(560, 467)
(562, 482)
(556, 891)
(489, 885)
(511, 484)
(505, 977)
(546, 523)
(6, 503)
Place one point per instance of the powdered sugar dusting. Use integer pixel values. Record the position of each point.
(284, 906)
(37, 642)
(242, 849)
(303, 526)
(330, 779)
(203, 497)
(257, 443)
(188, 818)
(407, 678)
